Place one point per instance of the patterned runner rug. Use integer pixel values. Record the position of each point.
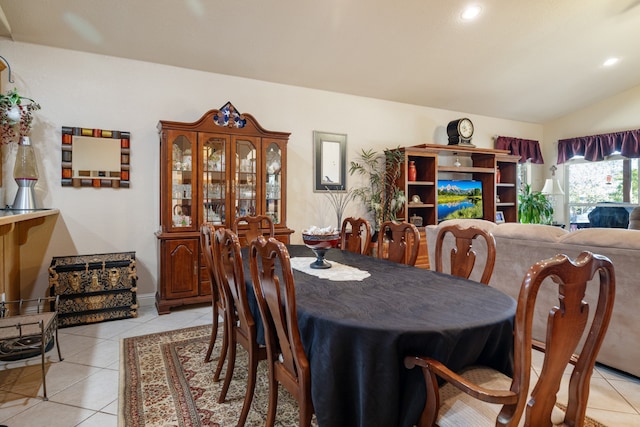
(165, 382)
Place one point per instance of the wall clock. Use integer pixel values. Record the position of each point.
(460, 132)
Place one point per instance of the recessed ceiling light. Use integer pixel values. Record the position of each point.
(471, 13)
(609, 62)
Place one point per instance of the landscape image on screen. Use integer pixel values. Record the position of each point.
(459, 199)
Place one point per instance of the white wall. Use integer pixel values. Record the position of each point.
(617, 113)
(86, 90)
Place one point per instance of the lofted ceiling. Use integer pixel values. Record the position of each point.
(527, 60)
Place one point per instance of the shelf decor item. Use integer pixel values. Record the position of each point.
(16, 116)
(25, 173)
(16, 120)
(412, 172)
(460, 132)
(320, 241)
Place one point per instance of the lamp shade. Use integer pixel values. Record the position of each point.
(552, 186)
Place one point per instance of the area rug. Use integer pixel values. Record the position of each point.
(164, 381)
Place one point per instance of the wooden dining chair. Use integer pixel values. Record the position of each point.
(250, 227)
(401, 242)
(468, 393)
(355, 235)
(217, 301)
(276, 296)
(463, 255)
(241, 327)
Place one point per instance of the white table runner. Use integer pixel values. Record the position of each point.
(337, 273)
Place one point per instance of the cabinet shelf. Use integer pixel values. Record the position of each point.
(419, 183)
(465, 169)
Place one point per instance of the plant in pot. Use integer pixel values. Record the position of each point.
(16, 120)
(534, 207)
(381, 195)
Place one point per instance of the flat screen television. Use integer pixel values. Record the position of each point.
(459, 199)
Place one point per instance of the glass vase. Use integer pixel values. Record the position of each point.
(25, 173)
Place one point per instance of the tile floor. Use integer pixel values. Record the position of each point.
(83, 389)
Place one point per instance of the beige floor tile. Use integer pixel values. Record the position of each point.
(94, 392)
(101, 355)
(100, 419)
(104, 330)
(50, 414)
(59, 376)
(12, 404)
(111, 408)
(71, 343)
(601, 396)
(614, 419)
(143, 329)
(630, 390)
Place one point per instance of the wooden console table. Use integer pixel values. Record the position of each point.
(16, 228)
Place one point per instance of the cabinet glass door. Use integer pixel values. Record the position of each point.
(273, 177)
(214, 183)
(245, 178)
(182, 181)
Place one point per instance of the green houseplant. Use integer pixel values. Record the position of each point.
(381, 195)
(534, 207)
(16, 116)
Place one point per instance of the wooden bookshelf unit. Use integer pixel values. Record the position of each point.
(437, 162)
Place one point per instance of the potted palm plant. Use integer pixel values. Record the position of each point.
(381, 195)
(534, 207)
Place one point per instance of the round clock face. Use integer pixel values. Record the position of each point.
(465, 127)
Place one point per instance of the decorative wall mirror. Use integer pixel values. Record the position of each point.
(330, 161)
(95, 157)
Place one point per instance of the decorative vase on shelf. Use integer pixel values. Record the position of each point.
(25, 173)
(412, 171)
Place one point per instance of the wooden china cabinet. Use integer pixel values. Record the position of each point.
(223, 166)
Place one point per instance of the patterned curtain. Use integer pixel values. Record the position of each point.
(596, 147)
(525, 148)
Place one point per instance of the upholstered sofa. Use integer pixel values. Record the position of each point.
(521, 245)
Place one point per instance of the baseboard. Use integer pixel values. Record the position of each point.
(146, 300)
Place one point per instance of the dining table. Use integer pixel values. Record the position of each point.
(361, 317)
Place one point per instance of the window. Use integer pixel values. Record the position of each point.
(613, 181)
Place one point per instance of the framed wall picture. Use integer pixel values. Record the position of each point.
(499, 217)
(330, 161)
(95, 157)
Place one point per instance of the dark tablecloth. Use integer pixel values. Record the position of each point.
(357, 333)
